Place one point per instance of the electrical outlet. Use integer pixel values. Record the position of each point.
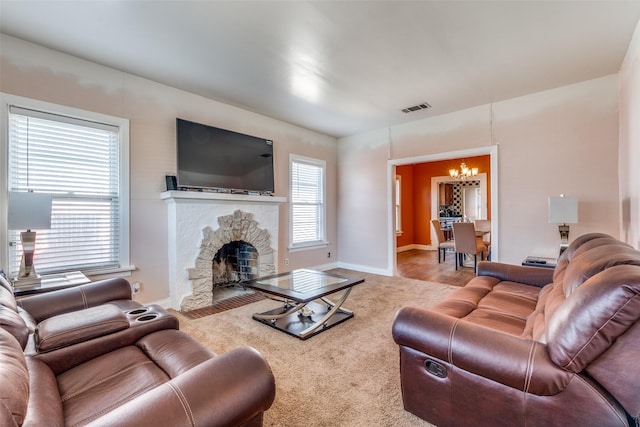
(286, 261)
(135, 287)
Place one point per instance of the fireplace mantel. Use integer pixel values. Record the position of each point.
(194, 214)
(230, 197)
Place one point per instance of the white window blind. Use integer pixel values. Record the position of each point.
(307, 202)
(77, 161)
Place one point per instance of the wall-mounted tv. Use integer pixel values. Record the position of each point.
(220, 159)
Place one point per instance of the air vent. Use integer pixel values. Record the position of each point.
(418, 107)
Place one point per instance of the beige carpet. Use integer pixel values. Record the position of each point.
(345, 376)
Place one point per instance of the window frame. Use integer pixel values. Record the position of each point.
(398, 204)
(322, 241)
(6, 100)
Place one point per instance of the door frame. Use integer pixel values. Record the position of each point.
(492, 151)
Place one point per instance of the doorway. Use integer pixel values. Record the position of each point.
(422, 218)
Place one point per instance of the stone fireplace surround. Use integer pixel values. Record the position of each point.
(200, 223)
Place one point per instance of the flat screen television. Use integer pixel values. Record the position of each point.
(220, 159)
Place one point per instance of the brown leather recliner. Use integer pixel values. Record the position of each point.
(73, 325)
(95, 357)
(524, 346)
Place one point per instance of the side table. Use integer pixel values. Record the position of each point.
(541, 262)
(53, 282)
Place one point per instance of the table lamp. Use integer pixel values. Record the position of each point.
(563, 210)
(28, 210)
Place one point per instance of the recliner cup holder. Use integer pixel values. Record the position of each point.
(147, 317)
(138, 311)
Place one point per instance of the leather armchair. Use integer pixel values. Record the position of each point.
(90, 356)
(164, 379)
(508, 349)
(73, 325)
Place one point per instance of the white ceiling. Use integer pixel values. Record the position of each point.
(339, 67)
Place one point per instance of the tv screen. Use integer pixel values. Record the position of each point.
(214, 158)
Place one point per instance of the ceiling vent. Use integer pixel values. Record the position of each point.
(418, 107)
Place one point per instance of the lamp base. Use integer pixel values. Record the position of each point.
(564, 238)
(27, 269)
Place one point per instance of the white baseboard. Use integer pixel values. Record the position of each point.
(324, 267)
(415, 246)
(366, 269)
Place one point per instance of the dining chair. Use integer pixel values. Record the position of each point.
(466, 242)
(484, 225)
(443, 243)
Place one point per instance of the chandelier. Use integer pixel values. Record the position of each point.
(463, 173)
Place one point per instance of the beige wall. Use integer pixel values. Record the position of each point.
(630, 143)
(558, 141)
(32, 71)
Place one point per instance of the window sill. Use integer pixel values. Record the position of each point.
(109, 273)
(307, 246)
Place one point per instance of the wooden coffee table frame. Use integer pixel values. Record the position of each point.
(299, 315)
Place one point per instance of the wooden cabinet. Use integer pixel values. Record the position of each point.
(446, 194)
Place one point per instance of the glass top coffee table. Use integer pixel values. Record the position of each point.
(300, 315)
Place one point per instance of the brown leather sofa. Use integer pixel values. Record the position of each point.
(526, 346)
(90, 355)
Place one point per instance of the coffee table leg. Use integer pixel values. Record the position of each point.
(334, 309)
(331, 304)
(287, 310)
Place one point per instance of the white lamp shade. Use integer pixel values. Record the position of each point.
(563, 210)
(29, 211)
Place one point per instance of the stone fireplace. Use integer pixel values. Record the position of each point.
(218, 238)
(238, 250)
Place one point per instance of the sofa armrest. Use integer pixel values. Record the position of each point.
(520, 363)
(65, 358)
(533, 276)
(43, 306)
(229, 389)
(78, 326)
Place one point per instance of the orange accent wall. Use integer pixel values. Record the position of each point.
(416, 194)
(407, 206)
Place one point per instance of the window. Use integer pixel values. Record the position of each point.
(307, 202)
(81, 159)
(398, 200)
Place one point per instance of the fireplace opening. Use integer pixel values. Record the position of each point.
(235, 262)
